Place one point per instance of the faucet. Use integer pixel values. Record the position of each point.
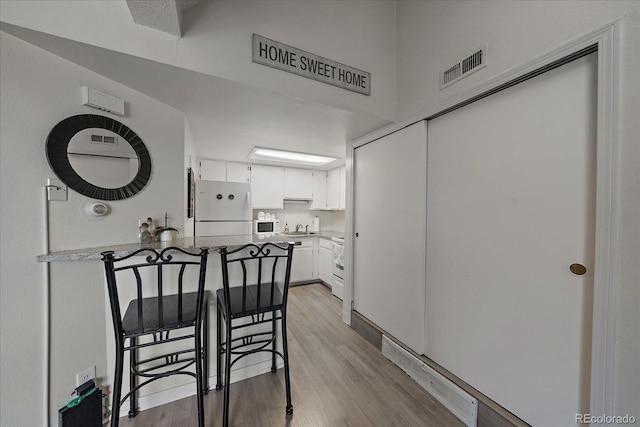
(306, 228)
(298, 227)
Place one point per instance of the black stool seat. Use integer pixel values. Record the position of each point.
(248, 305)
(174, 314)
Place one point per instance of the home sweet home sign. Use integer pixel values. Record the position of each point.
(287, 58)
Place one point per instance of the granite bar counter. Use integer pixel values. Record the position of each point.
(186, 243)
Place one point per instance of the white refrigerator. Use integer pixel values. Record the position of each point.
(222, 208)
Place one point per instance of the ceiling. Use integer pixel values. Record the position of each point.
(227, 119)
(165, 16)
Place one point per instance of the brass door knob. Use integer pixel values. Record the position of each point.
(578, 269)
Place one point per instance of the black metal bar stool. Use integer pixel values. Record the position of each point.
(258, 297)
(170, 297)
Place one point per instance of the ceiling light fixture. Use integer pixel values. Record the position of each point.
(270, 154)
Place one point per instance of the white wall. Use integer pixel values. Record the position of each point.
(217, 40)
(35, 95)
(433, 35)
(189, 162)
(38, 90)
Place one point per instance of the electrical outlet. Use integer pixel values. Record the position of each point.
(86, 375)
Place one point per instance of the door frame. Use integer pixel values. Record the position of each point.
(607, 200)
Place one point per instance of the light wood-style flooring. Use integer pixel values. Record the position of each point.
(337, 379)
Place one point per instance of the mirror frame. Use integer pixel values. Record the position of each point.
(56, 149)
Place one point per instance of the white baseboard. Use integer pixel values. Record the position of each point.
(460, 403)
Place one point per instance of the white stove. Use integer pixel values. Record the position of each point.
(337, 287)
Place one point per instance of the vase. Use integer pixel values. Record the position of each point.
(167, 236)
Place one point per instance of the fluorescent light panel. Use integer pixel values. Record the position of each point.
(259, 153)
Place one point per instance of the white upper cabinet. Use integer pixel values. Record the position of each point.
(333, 189)
(336, 188)
(298, 183)
(213, 170)
(267, 187)
(270, 185)
(238, 172)
(342, 193)
(319, 190)
(219, 170)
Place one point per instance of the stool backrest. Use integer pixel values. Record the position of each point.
(267, 265)
(149, 273)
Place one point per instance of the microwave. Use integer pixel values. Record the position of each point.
(268, 226)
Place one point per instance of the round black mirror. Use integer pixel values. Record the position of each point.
(98, 157)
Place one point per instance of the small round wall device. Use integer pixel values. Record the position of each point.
(96, 209)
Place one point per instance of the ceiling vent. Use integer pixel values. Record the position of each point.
(462, 69)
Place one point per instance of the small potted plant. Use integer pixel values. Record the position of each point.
(166, 234)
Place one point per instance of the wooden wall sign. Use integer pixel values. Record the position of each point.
(287, 58)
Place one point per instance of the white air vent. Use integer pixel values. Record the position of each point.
(459, 402)
(104, 139)
(462, 69)
(102, 101)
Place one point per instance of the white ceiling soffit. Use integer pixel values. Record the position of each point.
(227, 119)
(165, 15)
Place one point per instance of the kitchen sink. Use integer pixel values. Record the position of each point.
(300, 233)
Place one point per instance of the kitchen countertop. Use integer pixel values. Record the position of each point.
(322, 234)
(213, 242)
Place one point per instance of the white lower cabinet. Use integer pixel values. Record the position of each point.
(313, 261)
(325, 262)
(302, 264)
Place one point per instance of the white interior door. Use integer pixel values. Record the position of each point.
(510, 206)
(389, 217)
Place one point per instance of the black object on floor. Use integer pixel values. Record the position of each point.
(85, 410)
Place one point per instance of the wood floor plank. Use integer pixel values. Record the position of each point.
(337, 379)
